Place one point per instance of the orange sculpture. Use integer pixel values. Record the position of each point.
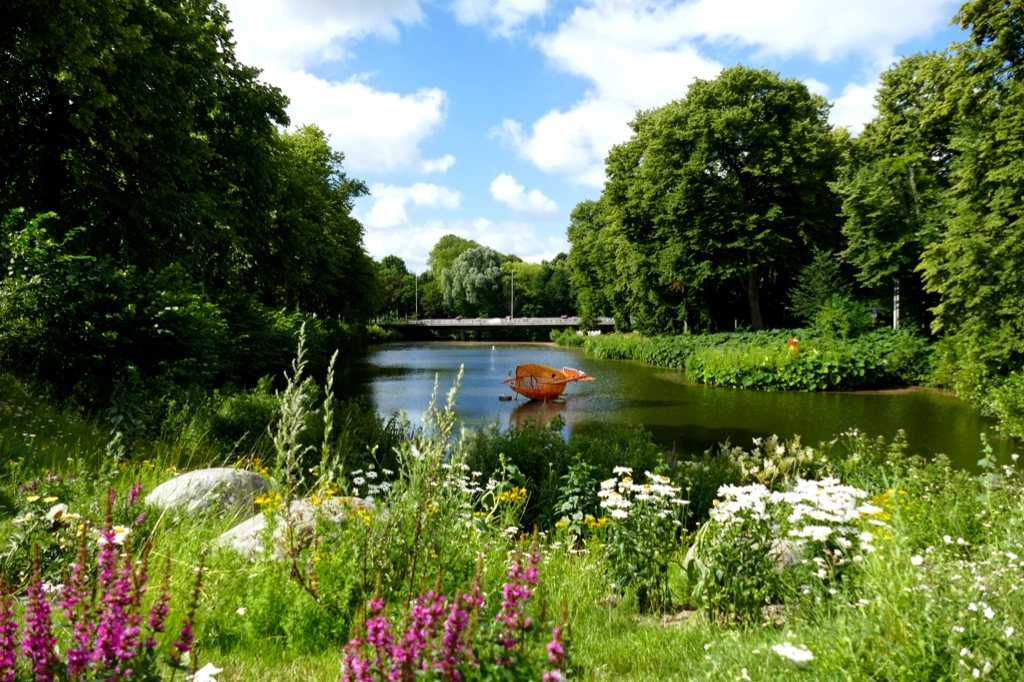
(537, 382)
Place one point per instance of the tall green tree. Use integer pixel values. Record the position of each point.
(312, 257)
(975, 265)
(134, 119)
(473, 284)
(447, 249)
(893, 183)
(727, 187)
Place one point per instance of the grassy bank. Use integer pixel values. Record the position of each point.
(769, 361)
(903, 569)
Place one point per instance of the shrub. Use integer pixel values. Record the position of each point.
(734, 569)
(643, 535)
(568, 338)
(1006, 402)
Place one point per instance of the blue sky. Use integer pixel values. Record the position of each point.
(491, 119)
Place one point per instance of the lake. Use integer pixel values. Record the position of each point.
(689, 418)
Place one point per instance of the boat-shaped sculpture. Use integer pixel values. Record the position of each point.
(538, 382)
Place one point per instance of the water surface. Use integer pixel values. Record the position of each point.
(688, 418)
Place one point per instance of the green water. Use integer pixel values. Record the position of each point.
(689, 418)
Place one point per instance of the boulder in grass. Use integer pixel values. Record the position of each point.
(247, 537)
(211, 490)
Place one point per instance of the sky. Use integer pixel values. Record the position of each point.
(491, 119)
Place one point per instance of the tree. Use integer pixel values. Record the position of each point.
(393, 265)
(313, 259)
(893, 183)
(445, 251)
(472, 285)
(727, 187)
(134, 119)
(975, 265)
(399, 293)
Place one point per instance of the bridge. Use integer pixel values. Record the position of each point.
(484, 323)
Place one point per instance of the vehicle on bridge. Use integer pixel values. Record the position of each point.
(538, 382)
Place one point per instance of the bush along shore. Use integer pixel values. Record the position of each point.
(496, 555)
(787, 359)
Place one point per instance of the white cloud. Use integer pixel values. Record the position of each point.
(378, 131)
(855, 107)
(297, 33)
(534, 204)
(638, 54)
(504, 16)
(388, 210)
(817, 87)
(823, 30)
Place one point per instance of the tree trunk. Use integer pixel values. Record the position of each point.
(756, 322)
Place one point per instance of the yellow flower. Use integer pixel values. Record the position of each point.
(32, 498)
(50, 500)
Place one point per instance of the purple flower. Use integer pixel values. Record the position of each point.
(133, 494)
(74, 603)
(8, 636)
(38, 640)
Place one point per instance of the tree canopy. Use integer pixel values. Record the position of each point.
(472, 286)
(723, 191)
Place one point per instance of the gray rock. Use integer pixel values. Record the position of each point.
(247, 537)
(211, 490)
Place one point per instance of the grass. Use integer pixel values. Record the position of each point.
(939, 599)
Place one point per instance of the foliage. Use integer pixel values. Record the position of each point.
(578, 502)
(472, 285)
(642, 536)
(728, 185)
(842, 317)
(453, 639)
(735, 564)
(893, 183)
(568, 337)
(1006, 402)
(767, 361)
(102, 608)
(973, 264)
(818, 283)
(445, 252)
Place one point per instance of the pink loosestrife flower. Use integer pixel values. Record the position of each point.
(516, 593)
(117, 632)
(74, 603)
(38, 640)
(133, 494)
(8, 637)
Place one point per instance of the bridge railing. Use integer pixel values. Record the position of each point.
(495, 322)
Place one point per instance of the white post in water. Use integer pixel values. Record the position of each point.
(896, 304)
(416, 279)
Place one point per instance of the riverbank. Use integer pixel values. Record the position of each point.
(789, 359)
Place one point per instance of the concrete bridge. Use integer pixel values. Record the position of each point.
(604, 324)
